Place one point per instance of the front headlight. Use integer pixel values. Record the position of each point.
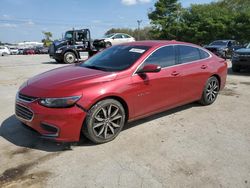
(58, 51)
(59, 102)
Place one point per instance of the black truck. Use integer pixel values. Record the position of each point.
(75, 45)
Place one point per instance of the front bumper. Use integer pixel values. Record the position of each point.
(241, 61)
(56, 56)
(59, 124)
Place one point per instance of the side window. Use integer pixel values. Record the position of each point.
(126, 36)
(203, 54)
(188, 54)
(80, 36)
(118, 36)
(164, 57)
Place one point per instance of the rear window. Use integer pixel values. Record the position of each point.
(203, 54)
(116, 58)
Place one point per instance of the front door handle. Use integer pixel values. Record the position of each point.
(203, 66)
(175, 73)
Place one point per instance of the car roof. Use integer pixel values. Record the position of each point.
(157, 43)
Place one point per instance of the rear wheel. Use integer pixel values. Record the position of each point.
(210, 91)
(104, 121)
(69, 57)
(235, 68)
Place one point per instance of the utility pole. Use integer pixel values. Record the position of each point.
(139, 24)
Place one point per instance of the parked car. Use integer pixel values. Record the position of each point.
(241, 58)
(113, 39)
(223, 48)
(13, 51)
(119, 84)
(4, 51)
(20, 51)
(41, 50)
(28, 51)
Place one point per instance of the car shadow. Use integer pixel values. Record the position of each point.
(243, 72)
(52, 62)
(21, 135)
(159, 115)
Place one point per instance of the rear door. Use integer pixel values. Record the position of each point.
(194, 67)
(155, 91)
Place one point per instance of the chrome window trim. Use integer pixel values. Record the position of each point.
(205, 50)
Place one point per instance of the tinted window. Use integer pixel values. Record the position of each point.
(118, 36)
(204, 54)
(164, 57)
(115, 58)
(188, 54)
(126, 36)
(219, 43)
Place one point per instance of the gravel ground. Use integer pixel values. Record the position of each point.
(190, 146)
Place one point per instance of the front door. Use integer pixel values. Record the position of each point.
(156, 91)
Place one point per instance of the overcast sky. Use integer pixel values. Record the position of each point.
(24, 20)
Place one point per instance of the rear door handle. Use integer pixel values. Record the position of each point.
(203, 66)
(175, 73)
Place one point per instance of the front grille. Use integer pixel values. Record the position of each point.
(26, 98)
(23, 112)
(244, 55)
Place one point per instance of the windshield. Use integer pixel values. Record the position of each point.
(115, 58)
(68, 35)
(220, 43)
(248, 46)
(109, 36)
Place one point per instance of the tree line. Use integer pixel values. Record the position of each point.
(199, 23)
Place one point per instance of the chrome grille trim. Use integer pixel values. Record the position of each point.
(24, 113)
(25, 98)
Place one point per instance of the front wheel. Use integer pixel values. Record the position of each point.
(104, 121)
(69, 57)
(210, 91)
(108, 44)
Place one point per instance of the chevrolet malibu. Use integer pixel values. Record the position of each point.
(118, 85)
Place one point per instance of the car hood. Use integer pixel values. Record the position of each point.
(243, 50)
(102, 39)
(69, 80)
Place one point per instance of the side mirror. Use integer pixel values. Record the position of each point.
(149, 68)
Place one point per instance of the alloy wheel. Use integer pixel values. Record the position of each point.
(212, 90)
(107, 121)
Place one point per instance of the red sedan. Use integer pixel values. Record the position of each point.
(120, 84)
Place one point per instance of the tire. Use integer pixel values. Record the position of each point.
(210, 91)
(108, 44)
(104, 121)
(69, 57)
(235, 68)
